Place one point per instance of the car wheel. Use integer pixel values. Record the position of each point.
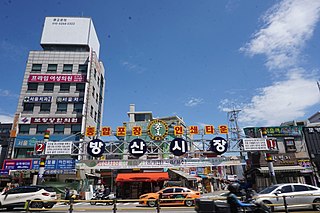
(188, 203)
(151, 203)
(316, 205)
(92, 202)
(271, 208)
(36, 205)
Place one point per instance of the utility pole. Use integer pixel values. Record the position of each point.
(269, 159)
(235, 131)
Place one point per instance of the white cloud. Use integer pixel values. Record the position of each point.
(193, 102)
(287, 26)
(7, 93)
(6, 119)
(133, 67)
(282, 101)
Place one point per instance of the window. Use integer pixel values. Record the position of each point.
(177, 190)
(97, 97)
(59, 128)
(93, 91)
(80, 87)
(91, 112)
(45, 107)
(48, 87)
(95, 74)
(77, 107)
(286, 189)
(62, 107)
(64, 87)
(41, 128)
(28, 107)
(32, 86)
(168, 190)
(36, 68)
(52, 68)
(83, 68)
(300, 188)
(289, 144)
(98, 81)
(75, 128)
(24, 128)
(67, 68)
(95, 116)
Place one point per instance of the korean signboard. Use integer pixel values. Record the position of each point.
(37, 99)
(69, 99)
(39, 78)
(254, 144)
(55, 120)
(17, 164)
(58, 148)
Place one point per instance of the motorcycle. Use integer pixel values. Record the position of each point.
(99, 197)
(260, 207)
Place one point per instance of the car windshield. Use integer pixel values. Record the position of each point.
(268, 190)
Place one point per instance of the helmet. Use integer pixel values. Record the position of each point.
(234, 187)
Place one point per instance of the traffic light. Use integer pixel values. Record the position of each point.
(46, 135)
(269, 157)
(42, 162)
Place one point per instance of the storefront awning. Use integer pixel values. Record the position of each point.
(142, 177)
(283, 169)
(185, 175)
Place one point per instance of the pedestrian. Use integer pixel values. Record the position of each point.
(67, 193)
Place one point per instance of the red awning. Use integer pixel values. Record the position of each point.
(142, 177)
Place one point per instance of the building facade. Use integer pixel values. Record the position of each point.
(62, 92)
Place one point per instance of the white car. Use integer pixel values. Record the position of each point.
(297, 195)
(18, 196)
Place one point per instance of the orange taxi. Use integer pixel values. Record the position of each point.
(170, 196)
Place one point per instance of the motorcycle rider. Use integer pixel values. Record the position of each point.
(233, 200)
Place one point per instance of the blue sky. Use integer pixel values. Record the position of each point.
(196, 59)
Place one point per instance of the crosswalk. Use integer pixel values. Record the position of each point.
(98, 204)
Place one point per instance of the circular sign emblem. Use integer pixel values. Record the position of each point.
(96, 148)
(157, 130)
(178, 146)
(218, 145)
(137, 147)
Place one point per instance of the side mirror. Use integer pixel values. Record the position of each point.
(278, 192)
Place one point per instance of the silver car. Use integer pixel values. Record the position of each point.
(297, 196)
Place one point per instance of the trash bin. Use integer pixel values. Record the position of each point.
(210, 206)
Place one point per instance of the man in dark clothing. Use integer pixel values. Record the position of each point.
(233, 200)
(106, 191)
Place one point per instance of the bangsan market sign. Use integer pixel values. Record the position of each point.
(165, 163)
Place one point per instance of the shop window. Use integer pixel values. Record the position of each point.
(32, 86)
(52, 68)
(45, 107)
(28, 107)
(24, 128)
(64, 87)
(48, 87)
(83, 68)
(77, 107)
(289, 144)
(62, 107)
(36, 68)
(41, 128)
(75, 128)
(59, 129)
(80, 87)
(67, 68)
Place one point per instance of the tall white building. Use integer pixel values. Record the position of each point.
(63, 86)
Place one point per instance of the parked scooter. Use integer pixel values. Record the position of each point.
(99, 196)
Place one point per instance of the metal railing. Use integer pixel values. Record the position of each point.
(114, 207)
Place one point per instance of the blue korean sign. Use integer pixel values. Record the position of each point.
(17, 164)
(37, 99)
(60, 164)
